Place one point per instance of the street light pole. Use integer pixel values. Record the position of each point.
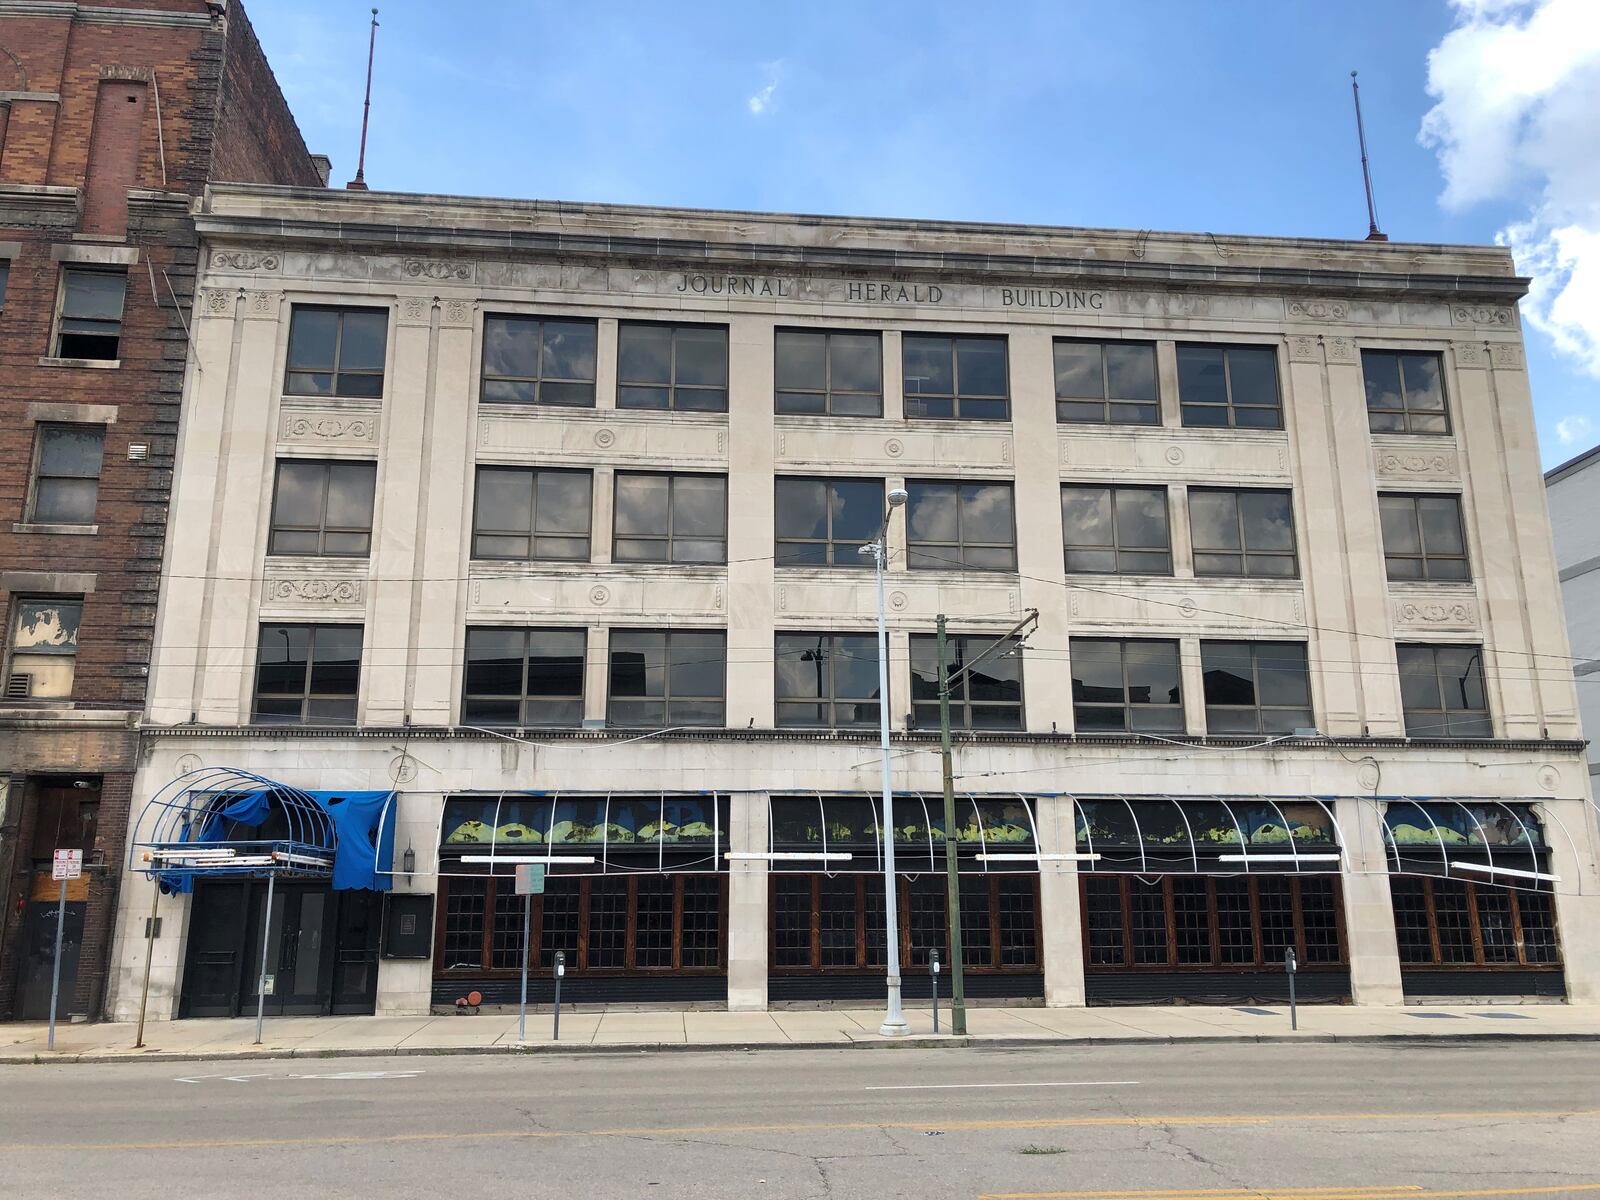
(894, 1020)
(947, 681)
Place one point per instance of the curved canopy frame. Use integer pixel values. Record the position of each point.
(982, 836)
(1239, 839)
(191, 827)
(1467, 839)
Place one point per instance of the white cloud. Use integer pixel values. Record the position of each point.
(761, 102)
(1517, 90)
(1576, 428)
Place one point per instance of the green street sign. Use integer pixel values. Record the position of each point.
(530, 879)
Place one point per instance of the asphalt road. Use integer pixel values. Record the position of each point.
(1234, 1122)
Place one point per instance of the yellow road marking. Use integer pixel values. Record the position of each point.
(820, 1127)
(1397, 1192)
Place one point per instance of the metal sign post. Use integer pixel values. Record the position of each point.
(561, 969)
(530, 883)
(64, 865)
(261, 979)
(933, 969)
(1291, 966)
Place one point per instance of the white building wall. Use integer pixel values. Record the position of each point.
(1574, 499)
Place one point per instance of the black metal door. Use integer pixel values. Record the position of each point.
(39, 948)
(355, 954)
(218, 955)
(298, 947)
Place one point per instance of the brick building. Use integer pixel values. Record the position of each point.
(112, 116)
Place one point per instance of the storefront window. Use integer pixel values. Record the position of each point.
(1460, 923)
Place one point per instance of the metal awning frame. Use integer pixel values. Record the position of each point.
(1302, 861)
(983, 857)
(1520, 867)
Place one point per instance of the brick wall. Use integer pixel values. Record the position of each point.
(221, 116)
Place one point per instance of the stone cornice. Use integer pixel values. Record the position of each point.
(937, 250)
(94, 14)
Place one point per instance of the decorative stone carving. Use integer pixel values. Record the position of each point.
(328, 427)
(1340, 349)
(245, 260)
(717, 597)
(1482, 314)
(402, 768)
(604, 438)
(783, 599)
(1318, 310)
(1175, 455)
(262, 304)
(599, 594)
(1415, 463)
(1005, 451)
(1506, 356)
(321, 591)
(1435, 612)
(437, 268)
(457, 312)
(414, 310)
(217, 302)
(1549, 778)
(1368, 775)
(898, 601)
(1303, 348)
(1187, 607)
(187, 763)
(1472, 354)
(722, 441)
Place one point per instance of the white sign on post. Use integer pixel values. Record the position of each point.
(67, 864)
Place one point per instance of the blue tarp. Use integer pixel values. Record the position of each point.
(362, 853)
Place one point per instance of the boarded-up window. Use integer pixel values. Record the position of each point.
(113, 156)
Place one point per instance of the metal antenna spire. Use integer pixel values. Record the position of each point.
(359, 183)
(1374, 234)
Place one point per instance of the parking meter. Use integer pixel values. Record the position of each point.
(561, 969)
(1290, 966)
(933, 969)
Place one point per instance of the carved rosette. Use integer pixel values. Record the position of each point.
(316, 591)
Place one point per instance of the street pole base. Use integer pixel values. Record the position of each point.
(894, 1029)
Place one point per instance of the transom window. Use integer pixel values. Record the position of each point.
(1256, 687)
(829, 372)
(682, 367)
(322, 507)
(1405, 392)
(827, 679)
(1441, 688)
(671, 518)
(336, 351)
(825, 522)
(664, 678)
(1106, 383)
(1126, 685)
(307, 675)
(66, 480)
(91, 313)
(989, 697)
(524, 677)
(528, 514)
(1249, 533)
(1423, 537)
(1229, 385)
(950, 377)
(44, 648)
(1116, 530)
(535, 360)
(961, 525)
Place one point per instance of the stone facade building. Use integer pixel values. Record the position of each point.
(545, 518)
(112, 118)
(1574, 494)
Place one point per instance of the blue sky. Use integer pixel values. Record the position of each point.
(1226, 116)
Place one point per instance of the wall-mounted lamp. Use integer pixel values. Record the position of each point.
(408, 862)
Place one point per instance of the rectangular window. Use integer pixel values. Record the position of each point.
(91, 314)
(336, 351)
(44, 648)
(66, 478)
(664, 678)
(5, 278)
(1126, 686)
(1441, 688)
(829, 373)
(524, 514)
(989, 697)
(531, 360)
(961, 525)
(1116, 530)
(1458, 923)
(1229, 386)
(825, 522)
(956, 377)
(1405, 392)
(1423, 537)
(1243, 533)
(307, 675)
(671, 518)
(1256, 687)
(827, 680)
(524, 677)
(1106, 383)
(683, 367)
(322, 508)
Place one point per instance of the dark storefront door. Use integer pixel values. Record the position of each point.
(321, 946)
(38, 947)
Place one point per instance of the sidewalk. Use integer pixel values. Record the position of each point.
(596, 1030)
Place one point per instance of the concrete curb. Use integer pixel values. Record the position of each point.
(925, 1042)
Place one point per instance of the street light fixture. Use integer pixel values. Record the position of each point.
(894, 1020)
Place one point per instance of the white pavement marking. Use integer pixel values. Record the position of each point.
(931, 1087)
(328, 1075)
